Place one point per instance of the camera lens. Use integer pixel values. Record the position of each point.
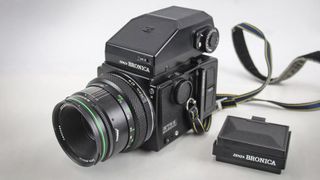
(77, 132)
(87, 128)
(112, 114)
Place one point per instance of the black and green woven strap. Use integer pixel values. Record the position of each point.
(231, 100)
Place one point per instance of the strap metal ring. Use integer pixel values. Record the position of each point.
(192, 102)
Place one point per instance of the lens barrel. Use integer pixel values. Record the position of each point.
(111, 115)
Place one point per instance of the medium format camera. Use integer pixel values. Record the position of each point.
(154, 73)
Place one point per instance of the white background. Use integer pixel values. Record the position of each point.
(50, 49)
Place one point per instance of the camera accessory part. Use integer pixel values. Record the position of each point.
(111, 115)
(182, 91)
(253, 143)
(231, 100)
(199, 126)
(206, 39)
(157, 42)
(206, 85)
(172, 118)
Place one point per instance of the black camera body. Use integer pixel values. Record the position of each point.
(161, 52)
(154, 69)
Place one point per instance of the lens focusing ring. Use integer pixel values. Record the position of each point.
(147, 105)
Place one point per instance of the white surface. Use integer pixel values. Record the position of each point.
(50, 49)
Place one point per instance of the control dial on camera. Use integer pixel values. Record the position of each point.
(207, 39)
(182, 91)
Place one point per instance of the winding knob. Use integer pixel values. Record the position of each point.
(207, 39)
(212, 40)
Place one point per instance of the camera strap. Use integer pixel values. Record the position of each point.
(199, 126)
(231, 100)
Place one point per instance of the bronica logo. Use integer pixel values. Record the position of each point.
(139, 67)
(261, 160)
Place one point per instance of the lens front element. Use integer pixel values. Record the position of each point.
(80, 131)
